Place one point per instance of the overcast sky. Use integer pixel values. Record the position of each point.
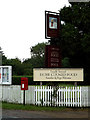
(22, 24)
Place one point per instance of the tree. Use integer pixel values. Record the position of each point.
(38, 55)
(16, 65)
(28, 68)
(75, 35)
(38, 50)
(37, 60)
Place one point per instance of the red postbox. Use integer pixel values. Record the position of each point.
(24, 83)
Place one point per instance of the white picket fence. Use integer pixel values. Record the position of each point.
(44, 95)
(71, 97)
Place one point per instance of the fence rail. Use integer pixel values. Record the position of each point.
(47, 95)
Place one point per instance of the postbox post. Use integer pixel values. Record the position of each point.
(24, 97)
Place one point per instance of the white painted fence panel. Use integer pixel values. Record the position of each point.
(71, 97)
(14, 94)
(84, 96)
(44, 95)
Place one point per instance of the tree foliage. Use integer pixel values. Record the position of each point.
(37, 60)
(38, 55)
(38, 50)
(75, 35)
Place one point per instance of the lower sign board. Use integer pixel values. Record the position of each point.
(58, 74)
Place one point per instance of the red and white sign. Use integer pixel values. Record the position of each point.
(24, 83)
(52, 56)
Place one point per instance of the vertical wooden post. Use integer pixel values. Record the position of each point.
(75, 93)
(75, 84)
(40, 83)
(24, 97)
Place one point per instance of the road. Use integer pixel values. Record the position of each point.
(43, 114)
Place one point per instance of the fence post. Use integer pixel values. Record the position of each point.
(66, 96)
(45, 96)
(73, 96)
(80, 97)
(33, 96)
(40, 83)
(88, 97)
(48, 96)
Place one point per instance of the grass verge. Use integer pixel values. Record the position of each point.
(11, 106)
(30, 107)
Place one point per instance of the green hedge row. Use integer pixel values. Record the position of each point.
(16, 80)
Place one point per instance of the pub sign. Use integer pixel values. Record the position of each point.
(52, 25)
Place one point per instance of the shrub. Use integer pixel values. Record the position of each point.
(16, 80)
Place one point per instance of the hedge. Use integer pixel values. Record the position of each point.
(16, 80)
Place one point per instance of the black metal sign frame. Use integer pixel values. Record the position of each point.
(51, 14)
